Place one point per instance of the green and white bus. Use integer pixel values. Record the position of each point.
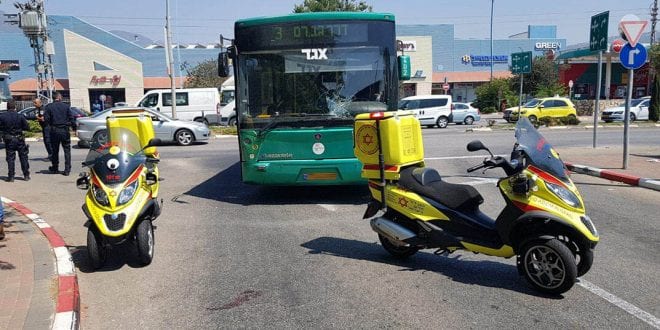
(300, 80)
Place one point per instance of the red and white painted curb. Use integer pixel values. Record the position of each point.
(614, 176)
(67, 308)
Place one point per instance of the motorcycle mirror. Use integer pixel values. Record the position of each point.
(154, 142)
(476, 145)
(83, 181)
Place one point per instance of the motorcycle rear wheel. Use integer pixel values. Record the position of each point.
(144, 237)
(399, 252)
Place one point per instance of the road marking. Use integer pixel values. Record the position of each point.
(329, 207)
(479, 181)
(458, 157)
(626, 306)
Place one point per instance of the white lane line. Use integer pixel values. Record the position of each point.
(626, 306)
(329, 207)
(459, 157)
(479, 181)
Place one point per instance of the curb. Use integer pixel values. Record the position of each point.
(614, 176)
(67, 307)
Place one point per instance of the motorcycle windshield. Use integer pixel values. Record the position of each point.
(115, 161)
(539, 152)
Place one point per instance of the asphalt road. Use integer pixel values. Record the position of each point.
(230, 255)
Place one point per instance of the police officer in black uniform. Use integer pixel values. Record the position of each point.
(59, 117)
(45, 129)
(12, 125)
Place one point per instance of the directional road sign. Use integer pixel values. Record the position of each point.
(633, 57)
(521, 62)
(598, 31)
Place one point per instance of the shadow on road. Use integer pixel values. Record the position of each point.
(118, 257)
(226, 186)
(474, 272)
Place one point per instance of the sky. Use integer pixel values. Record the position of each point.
(202, 21)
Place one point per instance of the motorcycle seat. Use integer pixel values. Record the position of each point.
(428, 182)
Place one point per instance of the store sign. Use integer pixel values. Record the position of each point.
(546, 45)
(9, 65)
(484, 60)
(102, 80)
(406, 46)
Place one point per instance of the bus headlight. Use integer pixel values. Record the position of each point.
(564, 194)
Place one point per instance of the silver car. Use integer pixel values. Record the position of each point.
(93, 129)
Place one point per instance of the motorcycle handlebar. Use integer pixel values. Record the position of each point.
(474, 168)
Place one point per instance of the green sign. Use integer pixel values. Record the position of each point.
(521, 62)
(598, 34)
(404, 67)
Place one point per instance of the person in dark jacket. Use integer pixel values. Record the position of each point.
(59, 117)
(45, 129)
(12, 125)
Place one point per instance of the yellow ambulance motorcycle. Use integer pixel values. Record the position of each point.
(543, 223)
(122, 187)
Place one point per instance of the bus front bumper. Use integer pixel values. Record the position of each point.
(303, 172)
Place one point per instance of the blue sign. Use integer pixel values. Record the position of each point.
(484, 60)
(633, 57)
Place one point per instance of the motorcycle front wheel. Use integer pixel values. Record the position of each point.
(145, 242)
(95, 250)
(548, 265)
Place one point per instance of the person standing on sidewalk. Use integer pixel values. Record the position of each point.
(12, 125)
(2, 220)
(45, 129)
(59, 117)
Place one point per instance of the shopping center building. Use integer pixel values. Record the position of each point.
(440, 60)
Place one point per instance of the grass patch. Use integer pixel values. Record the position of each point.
(224, 130)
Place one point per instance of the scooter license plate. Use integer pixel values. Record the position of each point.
(372, 209)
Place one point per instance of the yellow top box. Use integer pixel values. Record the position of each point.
(400, 134)
(136, 120)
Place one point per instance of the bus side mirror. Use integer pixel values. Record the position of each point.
(404, 67)
(223, 64)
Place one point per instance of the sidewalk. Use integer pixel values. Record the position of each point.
(607, 162)
(28, 280)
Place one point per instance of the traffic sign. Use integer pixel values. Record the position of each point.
(617, 45)
(633, 57)
(632, 27)
(521, 62)
(445, 86)
(598, 31)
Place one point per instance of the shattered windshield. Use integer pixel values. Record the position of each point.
(301, 85)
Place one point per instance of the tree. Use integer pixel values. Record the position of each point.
(654, 58)
(204, 74)
(490, 95)
(543, 81)
(331, 5)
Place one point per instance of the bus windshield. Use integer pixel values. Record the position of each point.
(341, 83)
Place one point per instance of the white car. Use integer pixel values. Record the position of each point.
(431, 110)
(93, 129)
(639, 109)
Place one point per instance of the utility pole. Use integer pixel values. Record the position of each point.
(492, 4)
(32, 20)
(654, 19)
(168, 54)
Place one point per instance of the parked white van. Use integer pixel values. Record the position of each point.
(431, 110)
(228, 114)
(191, 103)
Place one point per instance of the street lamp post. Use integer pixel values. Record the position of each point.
(492, 4)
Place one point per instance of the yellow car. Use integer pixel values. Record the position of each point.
(557, 107)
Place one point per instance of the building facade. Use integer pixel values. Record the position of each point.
(464, 64)
(92, 62)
